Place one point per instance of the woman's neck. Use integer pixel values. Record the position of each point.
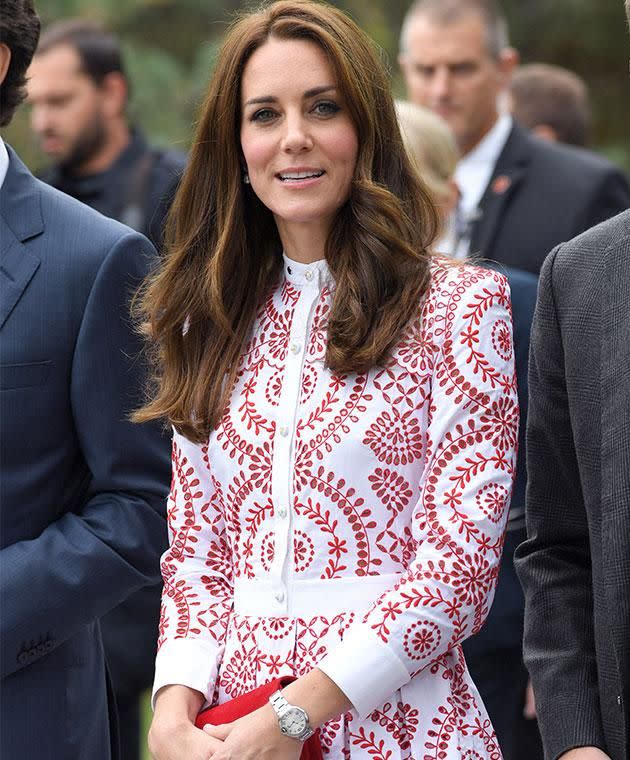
(304, 243)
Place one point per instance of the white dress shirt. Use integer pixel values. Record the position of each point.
(472, 175)
(4, 161)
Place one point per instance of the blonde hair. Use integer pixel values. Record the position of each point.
(431, 147)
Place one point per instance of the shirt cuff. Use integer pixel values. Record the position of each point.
(365, 669)
(187, 662)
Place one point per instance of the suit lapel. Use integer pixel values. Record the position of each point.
(508, 173)
(20, 220)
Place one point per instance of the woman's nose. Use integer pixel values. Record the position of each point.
(297, 135)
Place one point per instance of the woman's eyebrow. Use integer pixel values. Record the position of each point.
(308, 94)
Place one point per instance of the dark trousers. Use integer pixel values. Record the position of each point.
(495, 661)
(129, 729)
(501, 679)
(130, 637)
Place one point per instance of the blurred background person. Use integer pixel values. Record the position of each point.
(519, 196)
(495, 654)
(433, 151)
(78, 90)
(552, 102)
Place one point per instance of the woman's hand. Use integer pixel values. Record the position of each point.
(173, 735)
(256, 736)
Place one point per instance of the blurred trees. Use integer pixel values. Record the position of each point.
(170, 46)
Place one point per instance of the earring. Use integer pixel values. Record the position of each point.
(245, 178)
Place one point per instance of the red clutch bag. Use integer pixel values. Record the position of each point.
(247, 703)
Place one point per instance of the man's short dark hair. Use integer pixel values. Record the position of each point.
(98, 49)
(550, 95)
(19, 31)
(448, 12)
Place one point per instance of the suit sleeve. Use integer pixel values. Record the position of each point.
(554, 563)
(88, 561)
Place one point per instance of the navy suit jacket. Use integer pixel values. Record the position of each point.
(541, 194)
(82, 494)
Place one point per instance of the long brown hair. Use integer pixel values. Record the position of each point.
(224, 251)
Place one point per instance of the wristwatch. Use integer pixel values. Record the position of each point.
(293, 721)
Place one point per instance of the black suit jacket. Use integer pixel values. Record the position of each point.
(82, 493)
(542, 194)
(575, 564)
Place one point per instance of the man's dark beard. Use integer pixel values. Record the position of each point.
(88, 144)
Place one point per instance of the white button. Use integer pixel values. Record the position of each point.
(284, 431)
(280, 596)
(295, 348)
(282, 512)
(308, 274)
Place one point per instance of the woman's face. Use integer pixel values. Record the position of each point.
(298, 140)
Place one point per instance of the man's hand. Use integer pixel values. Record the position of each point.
(585, 753)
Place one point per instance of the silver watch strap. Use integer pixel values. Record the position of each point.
(281, 706)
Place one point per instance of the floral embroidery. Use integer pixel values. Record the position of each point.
(403, 470)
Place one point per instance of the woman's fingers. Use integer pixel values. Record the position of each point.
(218, 732)
(181, 741)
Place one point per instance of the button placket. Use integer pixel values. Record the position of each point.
(282, 466)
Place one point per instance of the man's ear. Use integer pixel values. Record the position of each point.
(5, 61)
(115, 94)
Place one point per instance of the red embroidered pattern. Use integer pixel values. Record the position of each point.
(404, 470)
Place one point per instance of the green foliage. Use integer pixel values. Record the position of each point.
(171, 44)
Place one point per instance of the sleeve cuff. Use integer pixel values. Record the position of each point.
(187, 662)
(365, 669)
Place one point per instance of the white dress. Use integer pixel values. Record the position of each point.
(351, 522)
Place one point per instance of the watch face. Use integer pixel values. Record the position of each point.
(294, 721)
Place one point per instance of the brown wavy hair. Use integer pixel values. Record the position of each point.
(223, 249)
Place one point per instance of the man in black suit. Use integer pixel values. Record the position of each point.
(78, 91)
(520, 196)
(575, 565)
(83, 490)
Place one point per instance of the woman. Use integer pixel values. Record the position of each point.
(344, 413)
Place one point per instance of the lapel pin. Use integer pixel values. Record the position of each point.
(501, 184)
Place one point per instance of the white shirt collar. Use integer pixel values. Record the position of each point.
(316, 273)
(474, 170)
(4, 161)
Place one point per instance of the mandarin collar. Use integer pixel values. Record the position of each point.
(316, 274)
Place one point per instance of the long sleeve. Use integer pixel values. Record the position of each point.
(554, 564)
(458, 523)
(197, 573)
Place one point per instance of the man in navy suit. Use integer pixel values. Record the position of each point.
(83, 490)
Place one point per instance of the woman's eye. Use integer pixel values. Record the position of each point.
(326, 108)
(263, 114)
